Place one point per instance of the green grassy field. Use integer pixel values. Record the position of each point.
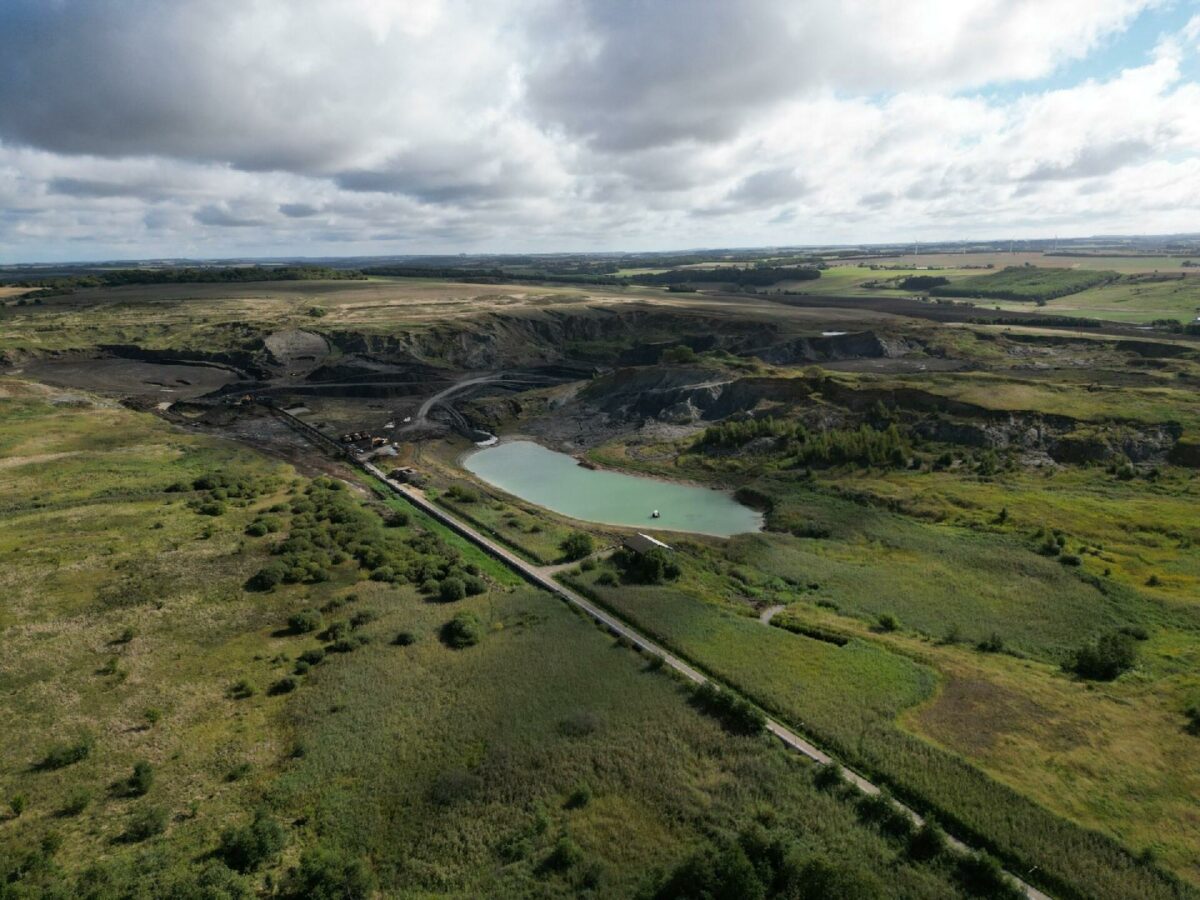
(848, 698)
(543, 761)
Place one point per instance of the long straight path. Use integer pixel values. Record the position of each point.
(640, 642)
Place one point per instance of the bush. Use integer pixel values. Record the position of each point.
(77, 801)
(981, 876)
(304, 622)
(17, 805)
(580, 797)
(284, 685)
(828, 777)
(240, 690)
(888, 622)
(926, 842)
(577, 545)
(566, 853)
(680, 354)
(1192, 715)
(464, 630)
(737, 715)
(139, 782)
(462, 493)
(62, 755)
(363, 617)
(331, 875)
(301, 668)
(993, 643)
(267, 577)
(312, 656)
(256, 529)
(248, 847)
(145, 823)
(606, 579)
(451, 589)
(404, 639)
(475, 585)
(1105, 658)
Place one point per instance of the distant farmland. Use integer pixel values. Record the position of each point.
(1026, 283)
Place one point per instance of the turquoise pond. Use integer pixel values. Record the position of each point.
(559, 483)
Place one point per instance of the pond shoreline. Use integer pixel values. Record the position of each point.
(694, 499)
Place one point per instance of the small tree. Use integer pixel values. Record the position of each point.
(246, 848)
(330, 875)
(452, 589)
(17, 805)
(1105, 658)
(464, 630)
(139, 782)
(577, 545)
(305, 621)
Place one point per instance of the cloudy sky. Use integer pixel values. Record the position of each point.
(205, 128)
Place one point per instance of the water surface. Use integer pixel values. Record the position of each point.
(557, 481)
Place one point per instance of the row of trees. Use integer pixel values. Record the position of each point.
(828, 447)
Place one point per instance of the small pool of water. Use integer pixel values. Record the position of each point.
(557, 482)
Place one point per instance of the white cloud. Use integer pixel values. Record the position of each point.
(301, 126)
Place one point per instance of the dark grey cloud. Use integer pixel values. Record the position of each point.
(1098, 159)
(99, 188)
(298, 210)
(222, 218)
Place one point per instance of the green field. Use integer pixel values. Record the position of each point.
(419, 768)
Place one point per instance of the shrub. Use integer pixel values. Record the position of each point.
(474, 585)
(284, 685)
(127, 634)
(152, 715)
(430, 586)
(267, 577)
(145, 823)
(331, 875)
(926, 842)
(462, 493)
(606, 579)
(879, 810)
(312, 656)
(1105, 658)
(981, 876)
(580, 797)
(362, 617)
(139, 782)
(579, 724)
(1070, 559)
(888, 622)
(828, 777)
(238, 772)
(1192, 714)
(587, 565)
(737, 715)
(248, 847)
(240, 690)
(464, 630)
(256, 528)
(404, 639)
(77, 801)
(577, 545)
(301, 667)
(993, 643)
(451, 589)
(304, 622)
(17, 805)
(63, 755)
(566, 853)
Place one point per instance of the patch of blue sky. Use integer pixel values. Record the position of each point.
(1127, 49)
